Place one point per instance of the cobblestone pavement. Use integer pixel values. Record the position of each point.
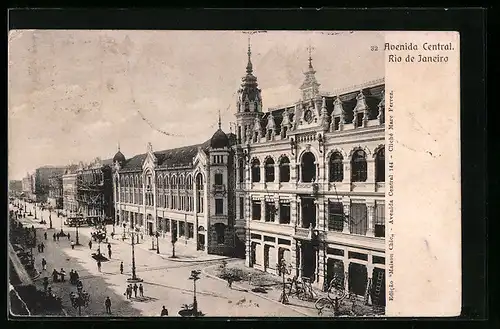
(165, 281)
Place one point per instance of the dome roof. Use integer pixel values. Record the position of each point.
(119, 157)
(219, 140)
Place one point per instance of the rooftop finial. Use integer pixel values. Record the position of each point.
(249, 65)
(310, 56)
(219, 120)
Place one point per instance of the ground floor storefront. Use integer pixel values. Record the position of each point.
(361, 271)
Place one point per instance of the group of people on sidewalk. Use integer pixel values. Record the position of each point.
(134, 288)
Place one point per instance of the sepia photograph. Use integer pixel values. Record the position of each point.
(196, 173)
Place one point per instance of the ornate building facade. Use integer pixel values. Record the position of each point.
(187, 191)
(70, 190)
(55, 198)
(303, 182)
(94, 187)
(310, 184)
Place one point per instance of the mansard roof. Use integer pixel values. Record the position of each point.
(373, 95)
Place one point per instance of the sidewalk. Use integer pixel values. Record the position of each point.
(271, 287)
(272, 284)
(184, 253)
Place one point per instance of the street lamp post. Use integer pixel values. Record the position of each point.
(157, 244)
(50, 218)
(35, 210)
(134, 277)
(77, 237)
(195, 276)
(283, 270)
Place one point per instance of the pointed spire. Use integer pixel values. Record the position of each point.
(219, 120)
(249, 65)
(310, 56)
(118, 146)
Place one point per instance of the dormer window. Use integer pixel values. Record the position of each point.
(336, 123)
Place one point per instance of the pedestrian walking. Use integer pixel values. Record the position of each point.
(42, 246)
(54, 236)
(57, 237)
(135, 290)
(109, 253)
(44, 264)
(68, 236)
(99, 265)
(164, 312)
(230, 281)
(38, 247)
(90, 244)
(121, 268)
(141, 290)
(45, 284)
(72, 244)
(45, 235)
(107, 303)
(129, 291)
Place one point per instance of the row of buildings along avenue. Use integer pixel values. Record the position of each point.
(304, 182)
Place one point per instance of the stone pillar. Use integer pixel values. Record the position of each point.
(277, 214)
(369, 269)
(347, 171)
(263, 209)
(321, 217)
(346, 274)
(248, 215)
(347, 213)
(370, 171)
(293, 171)
(299, 259)
(371, 225)
(299, 213)
(321, 268)
(294, 217)
(299, 173)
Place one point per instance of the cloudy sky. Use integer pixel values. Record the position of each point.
(74, 95)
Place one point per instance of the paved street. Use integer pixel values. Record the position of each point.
(165, 281)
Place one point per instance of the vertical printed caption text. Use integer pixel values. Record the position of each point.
(391, 236)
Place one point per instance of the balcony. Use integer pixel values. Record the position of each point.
(302, 233)
(219, 189)
(272, 227)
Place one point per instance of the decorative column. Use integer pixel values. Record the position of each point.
(370, 172)
(369, 283)
(294, 217)
(347, 171)
(371, 212)
(346, 274)
(277, 214)
(248, 218)
(347, 212)
(299, 213)
(321, 218)
(321, 265)
(293, 171)
(263, 209)
(299, 259)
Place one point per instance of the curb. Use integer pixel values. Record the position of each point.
(253, 293)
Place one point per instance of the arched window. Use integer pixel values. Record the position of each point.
(189, 184)
(247, 106)
(241, 170)
(167, 181)
(308, 167)
(256, 170)
(220, 232)
(358, 166)
(181, 183)
(159, 181)
(269, 170)
(336, 167)
(380, 165)
(173, 182)
(199, 193)
(284, 169)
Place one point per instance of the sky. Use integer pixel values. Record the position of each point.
(76, 95)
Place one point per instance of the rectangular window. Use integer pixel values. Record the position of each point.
(284, 242)
(335, 251)
(269, 238)
(218, 179)
(335, 216)
(190, 230)
(358, 222)
(270, 211)
(255, 236)
(167, 225)
(379, 220)
(256, 210)
(219, 206)
(242, 208)
(378, 260)
(182, 228)
(284, 213)
(357, 255)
